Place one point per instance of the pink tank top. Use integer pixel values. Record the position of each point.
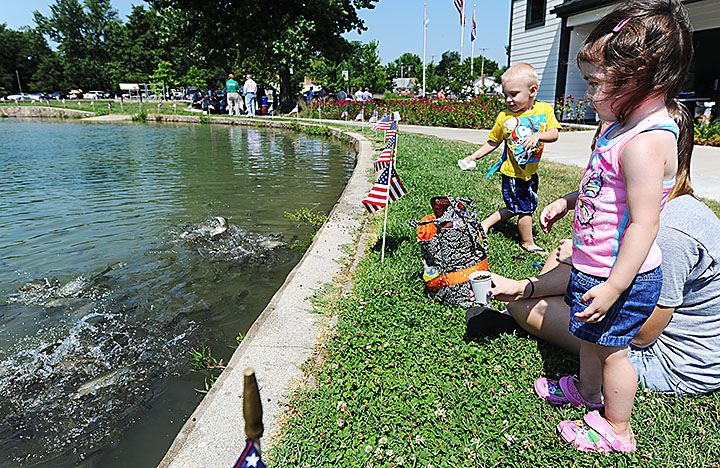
(601, 214)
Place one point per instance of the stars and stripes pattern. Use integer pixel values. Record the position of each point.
(373, 118)
(386, 190)
(250, 458)
(392, 131)
(383, 123)
(344, 114)
(473, 33)
(361, 115)
(385, 156)
(459, 5)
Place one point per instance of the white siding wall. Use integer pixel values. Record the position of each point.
(704, 15)
(538, 46)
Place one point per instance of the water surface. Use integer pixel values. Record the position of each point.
(109, 273)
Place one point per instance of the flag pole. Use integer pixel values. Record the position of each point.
(472, 45)
(252, 408)
(387, 202)
(425, 24)
(462, 31)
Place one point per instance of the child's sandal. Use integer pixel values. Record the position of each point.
(593, 434)
(563, 392)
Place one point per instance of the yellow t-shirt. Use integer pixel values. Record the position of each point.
(513, 127)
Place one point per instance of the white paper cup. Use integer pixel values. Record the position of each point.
(466, 166)
(480, 284)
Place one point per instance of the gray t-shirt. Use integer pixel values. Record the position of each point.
(689, 347)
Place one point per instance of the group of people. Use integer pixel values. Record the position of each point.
(233, 91)
(636, 292)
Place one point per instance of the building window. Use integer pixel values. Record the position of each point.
(535, 14)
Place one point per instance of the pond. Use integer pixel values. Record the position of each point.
(116, 261)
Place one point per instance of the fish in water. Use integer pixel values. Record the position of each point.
(221, 228)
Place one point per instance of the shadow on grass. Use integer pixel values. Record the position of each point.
(484, 324)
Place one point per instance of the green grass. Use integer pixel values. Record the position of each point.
(399, 385)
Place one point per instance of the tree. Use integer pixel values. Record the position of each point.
(86, 34)
(366, 71)
(196, 77)
(23, 52)
(165, 73)
(278, 36)
(407, 65)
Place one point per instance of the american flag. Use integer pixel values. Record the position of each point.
(383, 123)
(360, 116)
(459, 4)
(249, 457)
(385, 156)
(472, 31)
(344, 114)
(373, 118)
(392, 131)
(378, 196)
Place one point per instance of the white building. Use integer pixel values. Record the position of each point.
(548, 33)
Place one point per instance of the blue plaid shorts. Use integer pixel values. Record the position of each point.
(520, 195)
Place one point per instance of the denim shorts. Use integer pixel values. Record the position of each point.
(651, 373)
(520, 195)
(623, 320)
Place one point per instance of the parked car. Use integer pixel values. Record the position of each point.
(75, 94)
(191, 92)
(57, 95)
(38, 96)
(94, 95)
(19, 97)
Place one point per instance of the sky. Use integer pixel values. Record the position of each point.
(397, 25)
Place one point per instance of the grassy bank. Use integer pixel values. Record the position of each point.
(397, 383)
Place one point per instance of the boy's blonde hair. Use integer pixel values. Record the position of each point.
(522, 71)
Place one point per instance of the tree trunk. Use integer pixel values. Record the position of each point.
(287, 97)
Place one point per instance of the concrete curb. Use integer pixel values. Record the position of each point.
(285, 334)
(43, 111)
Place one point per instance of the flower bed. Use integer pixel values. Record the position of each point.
(476, 113)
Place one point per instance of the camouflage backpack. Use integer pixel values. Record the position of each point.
(453, 245)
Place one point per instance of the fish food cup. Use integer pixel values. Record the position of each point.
(466, 166)
(480, 284)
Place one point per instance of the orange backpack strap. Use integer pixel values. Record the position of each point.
(456, 277)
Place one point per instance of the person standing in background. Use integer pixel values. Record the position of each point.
(249, 89)
(232, 89)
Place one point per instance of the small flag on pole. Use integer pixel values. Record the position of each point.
(472, 31)
(361, 116)
(392, 131)
(344, 114)
(249, 457)
(459, 4)
(386, 155)
(379, 195)
(383, 123)
(160, 104)
(109, 105)
(295, 110)
(373, 118)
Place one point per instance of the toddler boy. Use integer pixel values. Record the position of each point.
(525, 127)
